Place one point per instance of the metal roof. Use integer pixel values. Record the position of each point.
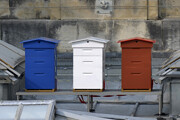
(170, 68)
(173, 58)
(27, 109)
(11, 58)
(137, 38)
(91, 39)
(175, 65)
(173, 73)
(42, 39)
(10, 69)
(75, 114)
(11, 55)
(2, 67)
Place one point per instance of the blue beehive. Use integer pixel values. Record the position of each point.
(40, 63)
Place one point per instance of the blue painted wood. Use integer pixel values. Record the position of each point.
(40, 63)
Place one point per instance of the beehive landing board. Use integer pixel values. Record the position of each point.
(87, 90)
(51, 90)
(145, 90)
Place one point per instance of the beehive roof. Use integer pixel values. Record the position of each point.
(137, 38)
(91, 39)
(42, 39)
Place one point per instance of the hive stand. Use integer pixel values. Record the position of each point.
(89, 95)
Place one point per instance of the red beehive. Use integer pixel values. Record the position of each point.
(136, 64)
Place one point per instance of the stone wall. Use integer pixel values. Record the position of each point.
(86, 9)
(74, 19)
(169, 9)
(77, 9)
(166, 32)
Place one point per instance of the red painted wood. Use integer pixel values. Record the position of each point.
(136, 64)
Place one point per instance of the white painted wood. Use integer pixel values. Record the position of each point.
(100, 40)
(87, 44)
(88, 63)
(88, 51)
(88, 72)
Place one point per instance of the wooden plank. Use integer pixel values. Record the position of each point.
(87, 90)
(136, 90)
(50, 90)
(106, 92)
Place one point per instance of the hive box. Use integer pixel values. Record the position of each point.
(40, 64)
(136, 64)
(88, 64)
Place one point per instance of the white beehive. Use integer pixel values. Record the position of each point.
(88, 63)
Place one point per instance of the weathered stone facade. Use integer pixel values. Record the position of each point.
(77, 9)
(68, 20)
(166, 32)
